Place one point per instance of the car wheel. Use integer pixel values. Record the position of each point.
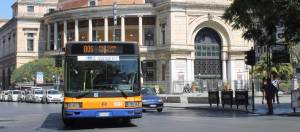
(47, 101)
(160, 110)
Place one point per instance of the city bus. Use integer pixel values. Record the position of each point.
(101, 81)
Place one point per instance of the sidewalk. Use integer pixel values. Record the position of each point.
(284, 108)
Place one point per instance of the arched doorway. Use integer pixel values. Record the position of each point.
(208, 64)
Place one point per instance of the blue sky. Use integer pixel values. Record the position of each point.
(5, 9)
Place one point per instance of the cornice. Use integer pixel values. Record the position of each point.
(8, 25)
(102, 11)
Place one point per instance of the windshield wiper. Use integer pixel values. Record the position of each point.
(122, 92)
(82, 94)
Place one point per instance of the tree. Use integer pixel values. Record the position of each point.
(284, 71)
(27, 72)
(259, 19)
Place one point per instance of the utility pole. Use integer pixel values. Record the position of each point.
(250, 59)
(115, 19)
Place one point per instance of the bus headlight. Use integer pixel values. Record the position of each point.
(133, 104)
(73, 105)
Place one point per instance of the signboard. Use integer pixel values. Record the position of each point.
(101, 49)
(280, 54)
(280, 33)
(39, 77)
(98, 58)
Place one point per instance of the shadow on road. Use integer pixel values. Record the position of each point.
(202, 112)
(54, 122)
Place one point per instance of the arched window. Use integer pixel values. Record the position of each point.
(208, 54)
(92, 2)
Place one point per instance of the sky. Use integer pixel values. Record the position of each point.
(5, 9)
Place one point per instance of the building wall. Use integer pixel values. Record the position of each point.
(69, 4)
(13, 53)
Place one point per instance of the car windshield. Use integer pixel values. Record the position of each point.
(53, 92)
(38, 92)
(103, 75)
(16, 92)
(148, 91)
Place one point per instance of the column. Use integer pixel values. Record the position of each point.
(65, 33)
(105, 29)
(140, 30)
(157, 31)
(55, 36)
(122, 28)
(224, 66)
(48, 36)
(76, 31)
(90, 30)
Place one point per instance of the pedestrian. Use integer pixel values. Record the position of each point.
(187, 89)
(264, 83)
(275, 82)
(269, 90)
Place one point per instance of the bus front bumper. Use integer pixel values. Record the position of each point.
(103, 113)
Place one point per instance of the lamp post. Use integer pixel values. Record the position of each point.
(115, 19)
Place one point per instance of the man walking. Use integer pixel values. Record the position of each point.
(269, 90)
(275, 83)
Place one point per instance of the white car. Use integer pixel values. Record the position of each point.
(13, 95)
(1, 93)
(5, 95)
(37, 96)
(52, 96)
(28, 97)
(21, 96)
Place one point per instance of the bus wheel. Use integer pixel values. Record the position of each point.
(126, 121)
(67, 122)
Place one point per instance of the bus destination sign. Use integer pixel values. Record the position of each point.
(102, 49)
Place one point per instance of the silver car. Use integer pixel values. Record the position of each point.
(5, 95)
(52, 96)
(21, 97)
(13, 95)
(37, 96)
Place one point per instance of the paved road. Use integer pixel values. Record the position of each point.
(16, 117)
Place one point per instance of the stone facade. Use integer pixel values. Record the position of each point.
(175, 26)
(15, 35)
(181, 41)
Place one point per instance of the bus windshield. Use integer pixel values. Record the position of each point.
(100, 76)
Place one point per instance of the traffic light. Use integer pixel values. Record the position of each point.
(58, 61)
(250, 57)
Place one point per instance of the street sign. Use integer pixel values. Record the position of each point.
(39, 77)
(280, 39)
(280, 54)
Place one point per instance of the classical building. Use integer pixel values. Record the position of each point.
(21, 38)
(181, 41)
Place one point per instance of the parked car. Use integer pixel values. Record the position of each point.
(37, 96)
(13, 95)
(28, 96)
(5, 95)
(52, 96)
(21, 96)
(1, 93)
(150, 100)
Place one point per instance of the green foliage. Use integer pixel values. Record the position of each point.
(283, 70)
(27, 72)
(258, 18)
(285, 86)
